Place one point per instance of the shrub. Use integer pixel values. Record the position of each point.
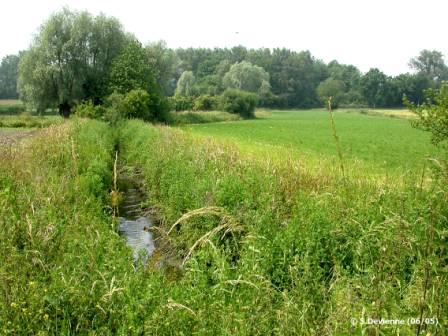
(181, 103)
(433, 114)
(88, 110)
(201, 117)
(205, 103)
(136, 104)
(241, 102)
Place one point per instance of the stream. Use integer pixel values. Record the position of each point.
(132, 224)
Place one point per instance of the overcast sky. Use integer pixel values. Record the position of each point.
(366, 33)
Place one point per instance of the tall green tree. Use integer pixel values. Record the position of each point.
(166, 65)
(333, 88)
(185, 84)
(247, 77)
(69, 60)
(131, 70)
(8, 77)
(431, 64)
(348, 74)
(374, 88)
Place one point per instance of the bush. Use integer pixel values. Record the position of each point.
(181, 103)
(433, 114)
(201, 117)
(88, 110)
(136, 104)
(241, 102)
(205, 103)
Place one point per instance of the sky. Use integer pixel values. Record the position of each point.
(366, 33)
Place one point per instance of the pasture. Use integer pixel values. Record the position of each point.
(377, 143)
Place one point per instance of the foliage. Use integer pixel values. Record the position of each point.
(430, 63)
(240, 102)
(8, 77)
(201, 117)
(181, 103)
(69, 60)
(138, 104)
(166, 65)
(348, 74)
(131, 70)
(205, 103)
(374, 87)
(433, 113)
(132, 76)
(88, 110)
(247, 77)
(331, 88)
(185, 84)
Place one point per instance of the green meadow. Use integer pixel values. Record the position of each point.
(378, 142)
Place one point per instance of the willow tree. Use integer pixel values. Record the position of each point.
(247, 77)
(69, 60)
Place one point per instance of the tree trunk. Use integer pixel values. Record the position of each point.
(65, 109)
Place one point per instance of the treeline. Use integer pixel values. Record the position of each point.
(76, 57)
(285, 78)
(8, 76)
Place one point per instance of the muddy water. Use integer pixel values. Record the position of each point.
(133, 225)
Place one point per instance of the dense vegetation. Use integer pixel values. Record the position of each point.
(272, 242)
(261, 228)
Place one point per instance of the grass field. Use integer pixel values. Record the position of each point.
(265, 246)
(14, 107)
(379, 143)
(10, 102)
(26, 120)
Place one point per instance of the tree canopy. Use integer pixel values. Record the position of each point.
(431, 64)
(246, 76)
(69, 60)
(77, 57)
(185, 84)
(8, 77)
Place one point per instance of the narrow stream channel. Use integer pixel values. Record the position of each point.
(132, 224)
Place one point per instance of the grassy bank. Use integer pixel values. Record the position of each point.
(278, 250)
(274, 249)
(62, 264)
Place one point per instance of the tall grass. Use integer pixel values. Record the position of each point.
(201, 117)
(62, 266)
(309, 254)
(26, 120)
(268, 247)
